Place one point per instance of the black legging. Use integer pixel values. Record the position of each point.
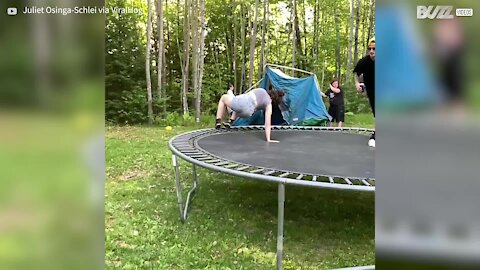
(371, 99)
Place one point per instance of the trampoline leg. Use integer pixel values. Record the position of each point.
(191, 192)
(178, 186)
(281, 208)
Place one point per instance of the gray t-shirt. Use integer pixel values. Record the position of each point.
(263, 98)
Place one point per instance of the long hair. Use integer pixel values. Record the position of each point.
(335, 80)
(276, 96)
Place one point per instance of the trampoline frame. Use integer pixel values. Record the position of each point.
(185, 146)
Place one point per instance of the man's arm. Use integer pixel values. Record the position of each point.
(357, 71)
(357, 83)
(268, 123)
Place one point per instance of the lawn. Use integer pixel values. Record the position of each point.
(232, 222)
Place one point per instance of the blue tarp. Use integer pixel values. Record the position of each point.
(405, 78)
(302, 100)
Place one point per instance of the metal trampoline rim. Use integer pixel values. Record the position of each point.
(271, 178)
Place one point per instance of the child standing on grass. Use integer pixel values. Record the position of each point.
(337, 104)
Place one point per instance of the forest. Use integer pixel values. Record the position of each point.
(174, 59)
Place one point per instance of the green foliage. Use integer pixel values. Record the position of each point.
(355, 102)
(125, 53)
(125, 99)
(177, 119)
(129, 108)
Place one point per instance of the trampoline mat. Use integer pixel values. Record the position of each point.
(309, 152)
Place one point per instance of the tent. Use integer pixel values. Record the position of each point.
(303, 104)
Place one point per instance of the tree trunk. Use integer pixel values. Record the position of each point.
(235, 79)
(317, 19)
(201, 60)
(337, 43)
(323, 70)
(243, 33)
(186, 56)
(294, 35)
(253, 39)
(264, 31)
(265, 57)
(228, 48)
(195, 52)
(298, 38)
(370, 27)
(350, 41)
(315, 34)
(164, 81)
(364, 30)
(161, 52)
(305, 50)
(357, 26)
(147, 63)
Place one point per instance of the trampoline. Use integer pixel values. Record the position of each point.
(318, 157)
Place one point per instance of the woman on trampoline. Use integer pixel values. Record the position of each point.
(245, 105)
(337, 104)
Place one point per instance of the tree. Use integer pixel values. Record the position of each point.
(243, 33)
(253, 38)
(357, 26)
(304, 31)
(364, 27)
(337, 42)
(350, 41)
(195, 53)
(235, 83)
(161, 55)
(371, 20)
(202, 57)
(294, 35)
(264, 33)
(316, 12)
(298, 38)
(147, 63)
(186, 56)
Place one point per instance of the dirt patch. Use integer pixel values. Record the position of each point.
(133, 175)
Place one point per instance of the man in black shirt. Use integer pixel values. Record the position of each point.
(366, 66)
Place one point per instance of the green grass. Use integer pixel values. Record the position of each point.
(232, 222)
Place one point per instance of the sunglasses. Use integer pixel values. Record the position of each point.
(371, 49)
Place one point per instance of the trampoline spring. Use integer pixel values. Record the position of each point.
(348, 181)
(231, 166)
(284, 174)
(257, 170)
(198, 155)
(189, 152)
(365, 182)
(314, 179)
(269, 172)
(221, 163)
(331, 179)
(243, 168)
(299, 177)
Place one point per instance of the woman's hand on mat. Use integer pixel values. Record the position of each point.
(275, 141)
